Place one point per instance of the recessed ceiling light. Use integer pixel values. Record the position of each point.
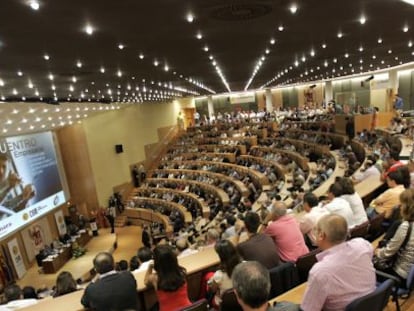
(346, 55)
(324, 46)
(410, 44)
(121, 46)
(102, 70)
(409, 1)
(389, 51)
(166, 68)
(379, 40)
(46, 57)
(362, 20)
(89, 29)
(79, 64)
(312, 52)
(281, 28)
(19, 73)
(293, 8)
(272, 41)
(1, 82)
(199, 36)
(206, 48)
(156, 63)
(35, 5)
(361, 49)
(405, 28)
(190, 17)
(340, 34)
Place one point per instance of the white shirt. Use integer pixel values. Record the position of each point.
(18, 304)
(357, 207)
(371, 171)
(341, 207)
(143, 266)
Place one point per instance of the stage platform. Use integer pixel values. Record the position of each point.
(79, 267)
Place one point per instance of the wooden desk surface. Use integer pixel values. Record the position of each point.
(295, 295)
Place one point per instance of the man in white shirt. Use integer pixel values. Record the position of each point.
(338, 205)
(14, 297)
(314, 211)
(145, 259)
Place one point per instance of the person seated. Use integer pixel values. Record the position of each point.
(111, 290)
(369, 169)
(133, 263)
(405, 255)
(168, 279)
(121, 265)
(29, 292)
(14, 297)
(285, 232)
(338, 205)
(65, 284)
(183, 248)
(354, 200)
(307, 223)
(221, 280)
(389, 199)
(344, 271)
(259, 246)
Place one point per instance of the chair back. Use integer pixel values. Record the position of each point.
(375, 301)
(375, 227)
(199, 305)
(359, 231)
(305, 263)
(283, 277)
(229, 301)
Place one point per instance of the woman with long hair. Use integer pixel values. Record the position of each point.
(168, 279)
(221, 280)
(65, 284)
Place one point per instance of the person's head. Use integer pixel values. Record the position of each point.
(309, 201)
(181, 244)
(133, 263)
(65, 283)
(231, 220)
(395, 178)
(123, 265)
(251, 283)
(347, 185)
(331, 230)
(13, 292)
(407, 204)
(229, 257)
(144, 254)
(335, 191)
(170, 275)
(394, 156)
(29, 292)
(251, 222)
(103, 262)
(3, 166)
(278, 210)
(212, 236)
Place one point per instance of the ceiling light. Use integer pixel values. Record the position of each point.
(79, 64)
(1, 82)
(293, 8)
(166, 68)
(190, 17)
(121, 46)
(102, 70)
(360, 49)
(281, 28)
(119, 73)
(312, 53)
(340, 35)
(389, 51)
(46, 57)
(267, 51)
(206, 49)
(362, 20)
(324, 46)
(35, 5)
(346, 55)
(19, 73)
(405, 29)
(379, 40)
(410, 44)
(30, 85)
(199, 36)
(89, 29)
(156, 63)
(272, 41)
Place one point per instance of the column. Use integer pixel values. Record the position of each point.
(328, 91)
(210, 105)
(269, 100)
(393, 84)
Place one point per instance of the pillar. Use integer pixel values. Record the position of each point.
(210, 106)
(269, 100)
(328, 91)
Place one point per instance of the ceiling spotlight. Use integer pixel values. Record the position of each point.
(166, 68)
(379, 40)
(272, 41)
(293, 8)
(19, 73)
(360, 49)
(119, 73)
(410, 44)
(346, 55)
(281, 28)
(35, 5)
(1, 82)
(362, 20)
(312, 53)
(79, 64)
(46, 57)
(340, 35)
(121, 46)
(324, 46)
(156, 63)
(89, 29)
(190, 18)
(405, 29)
(74, 80)
(30, 85)
(102, 70)
(389, 51)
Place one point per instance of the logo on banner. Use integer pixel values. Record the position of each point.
(56, 200)
(25, 216)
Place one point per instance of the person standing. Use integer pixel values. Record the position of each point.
(135, 176)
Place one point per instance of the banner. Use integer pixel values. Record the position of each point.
(60, 222)
(17, 258)
(30, 183)
(35, 237)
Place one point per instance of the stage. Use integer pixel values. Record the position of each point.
(128, 240)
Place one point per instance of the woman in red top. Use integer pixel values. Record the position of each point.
(169, 280)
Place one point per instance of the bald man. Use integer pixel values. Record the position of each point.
(344, 270)
(112, 290)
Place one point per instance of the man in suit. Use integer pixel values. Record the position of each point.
(112, 290)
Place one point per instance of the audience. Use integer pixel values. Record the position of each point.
(344, 270)
(15, 300)
(65, 284)
(338, 205)
(354, 200)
